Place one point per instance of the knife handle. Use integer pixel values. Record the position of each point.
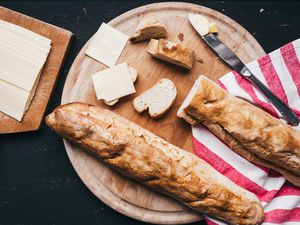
(277, 102)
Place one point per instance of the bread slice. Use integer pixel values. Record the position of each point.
(171, 52)
(134, 74)
(151, 29)
(157, 99)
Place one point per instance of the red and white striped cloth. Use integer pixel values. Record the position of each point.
(280, 71)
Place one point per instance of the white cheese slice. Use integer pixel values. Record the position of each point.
(26, 55)
(13, 100)
(107, 45)
(24, 32)
(12, 43)
(113, 83)
(17, 41)
(17, 71)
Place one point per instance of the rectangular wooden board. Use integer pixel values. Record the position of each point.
(61, 40)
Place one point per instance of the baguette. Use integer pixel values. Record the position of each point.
(247, 129)
(139, 154)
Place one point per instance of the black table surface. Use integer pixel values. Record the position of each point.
(38, 184)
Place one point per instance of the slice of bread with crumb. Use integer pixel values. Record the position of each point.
(158, 99)
(134, 74)
(150, 29)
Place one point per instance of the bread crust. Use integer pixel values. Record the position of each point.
(255, 134)
(139, 154)
(245, 153)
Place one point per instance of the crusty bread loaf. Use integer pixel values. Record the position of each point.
(247, 129)
(158, 99)
(171, 52)
(139, 154)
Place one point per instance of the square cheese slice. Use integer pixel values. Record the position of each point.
(22, 42)
(18, 71)
(13, 100)
(113, 83)
(18, 52)
(25, 33)
(107, 45)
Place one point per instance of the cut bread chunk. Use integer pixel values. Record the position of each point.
(157, 99)
(134, 74)
(150, 29)
(171, 52)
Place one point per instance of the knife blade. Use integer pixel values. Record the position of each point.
(236, 64)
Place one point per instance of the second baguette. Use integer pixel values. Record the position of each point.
(247, 129)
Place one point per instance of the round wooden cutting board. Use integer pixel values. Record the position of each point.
(120, 193)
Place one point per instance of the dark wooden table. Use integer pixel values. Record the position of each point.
(37, 182)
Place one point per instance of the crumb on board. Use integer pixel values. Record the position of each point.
(199, 60)
(180, 36)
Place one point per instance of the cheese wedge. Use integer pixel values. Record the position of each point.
(107, 45)
(113, 83)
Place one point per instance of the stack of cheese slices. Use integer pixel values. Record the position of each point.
(23, 54)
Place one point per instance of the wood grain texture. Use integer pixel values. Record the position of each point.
(127, 196)
(60, 43)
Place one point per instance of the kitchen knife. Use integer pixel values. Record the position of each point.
(236, 64)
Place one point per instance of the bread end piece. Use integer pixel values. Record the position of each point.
(153, 29)
(171, 52)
